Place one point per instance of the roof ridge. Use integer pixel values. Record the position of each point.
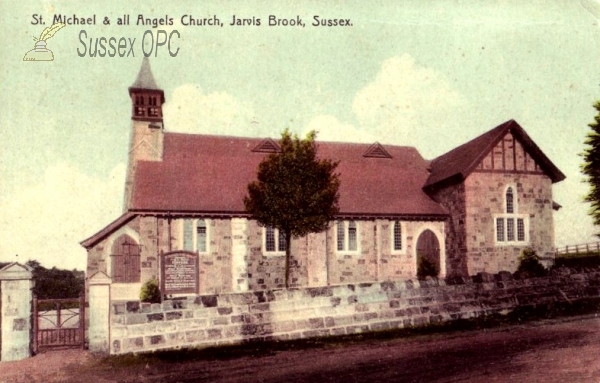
(246, 138)
(170, 133)
(498, 128)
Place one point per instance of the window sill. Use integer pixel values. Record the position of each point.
(512, 243)
(273, 253)
(341, 253)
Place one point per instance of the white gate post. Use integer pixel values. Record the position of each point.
(99, 312)
(239, 254)
(16, 285)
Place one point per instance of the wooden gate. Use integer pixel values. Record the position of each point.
(58, 323)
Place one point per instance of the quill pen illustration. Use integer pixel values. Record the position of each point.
(50, 31)
(40, 52)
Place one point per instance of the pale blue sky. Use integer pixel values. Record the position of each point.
(419, 73)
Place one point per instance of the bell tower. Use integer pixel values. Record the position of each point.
(147, 133)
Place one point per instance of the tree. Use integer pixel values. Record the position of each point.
(295, 191)
(591, 166)
(56, 283)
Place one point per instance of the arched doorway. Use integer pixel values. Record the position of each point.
(428, 255)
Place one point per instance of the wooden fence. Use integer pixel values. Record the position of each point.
(586, 248)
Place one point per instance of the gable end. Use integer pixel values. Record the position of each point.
(457, 164)
(509, 155)
(377, 151)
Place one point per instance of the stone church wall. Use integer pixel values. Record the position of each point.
(453, 199)
(235, 260)
(485, 196)
(352, 267)
(213, 320)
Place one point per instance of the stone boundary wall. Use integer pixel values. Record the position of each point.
(213, 320)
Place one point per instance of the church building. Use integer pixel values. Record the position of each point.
(473, 209)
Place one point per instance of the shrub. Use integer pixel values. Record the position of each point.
(426, 268)
(529, 264)
(150, 292)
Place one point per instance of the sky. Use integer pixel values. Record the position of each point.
(429, 74)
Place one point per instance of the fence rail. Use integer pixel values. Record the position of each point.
(585, 248)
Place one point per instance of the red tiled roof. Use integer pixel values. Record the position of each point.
(458, 163)
(209, 174)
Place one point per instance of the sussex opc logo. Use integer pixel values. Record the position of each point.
(41, 52)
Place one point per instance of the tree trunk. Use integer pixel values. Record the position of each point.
(288, 240)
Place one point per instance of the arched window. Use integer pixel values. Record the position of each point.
(125, 260)
(510, 201)
(511, 227)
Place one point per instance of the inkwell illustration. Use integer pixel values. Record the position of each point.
(40, 52)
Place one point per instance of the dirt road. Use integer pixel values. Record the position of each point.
(562, 351)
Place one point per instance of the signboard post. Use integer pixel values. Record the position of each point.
(179, 273)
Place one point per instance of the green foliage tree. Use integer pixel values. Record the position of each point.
(529, 264)
(591, 166)
(295, 191)
(56, 283)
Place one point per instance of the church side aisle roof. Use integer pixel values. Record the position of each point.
(210, 174)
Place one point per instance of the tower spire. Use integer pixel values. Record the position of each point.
(146, 97)
(145, 79)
